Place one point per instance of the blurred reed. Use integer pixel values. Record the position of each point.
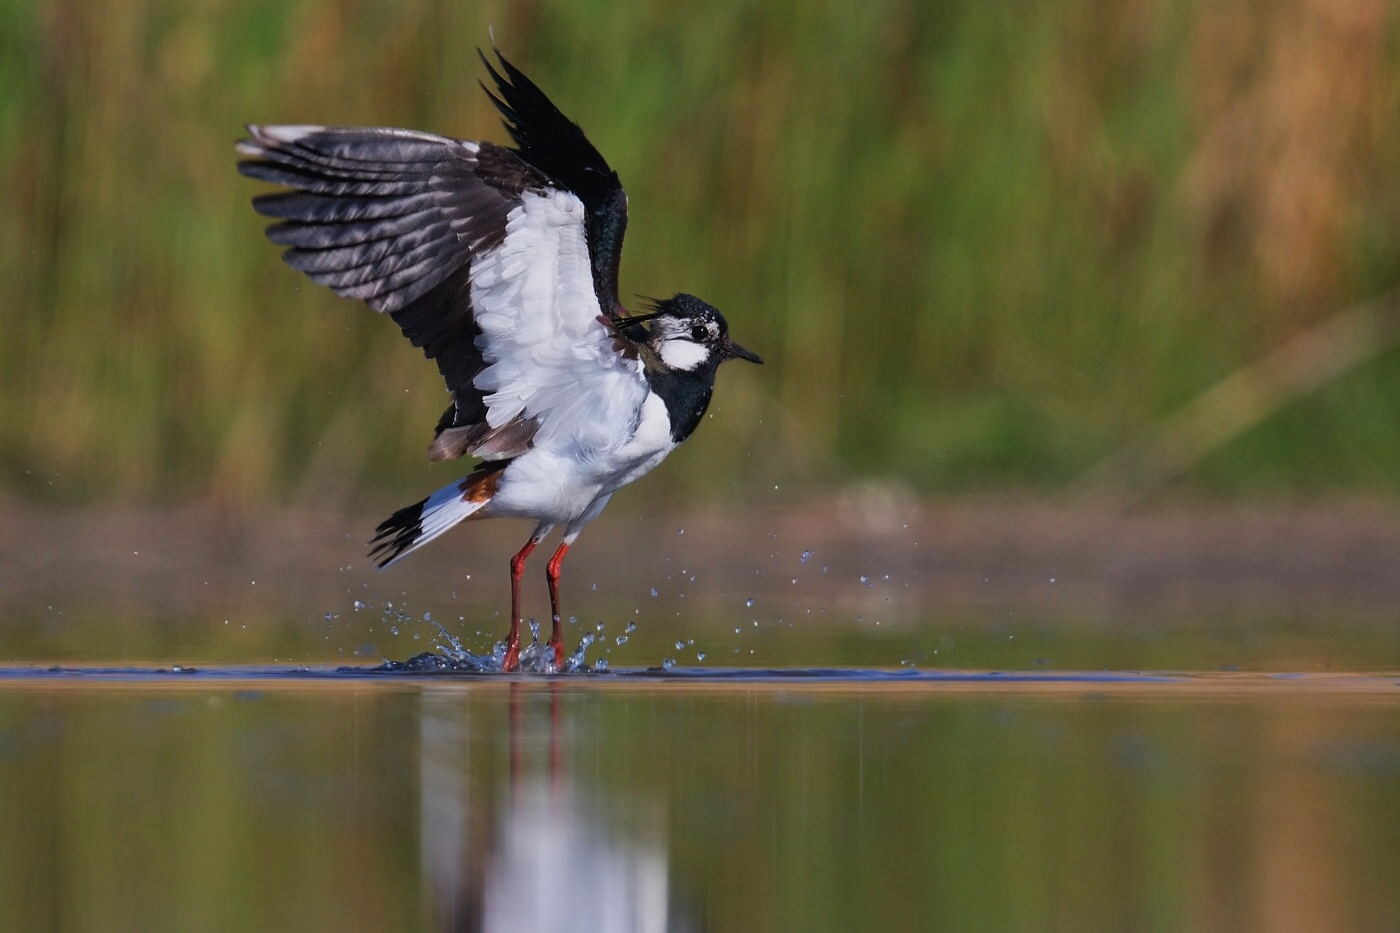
(980, 246)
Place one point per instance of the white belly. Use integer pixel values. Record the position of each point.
(558, 482)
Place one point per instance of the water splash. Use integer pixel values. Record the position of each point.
(577, 659)
(450, 644)
(452, 656)
(536, 658)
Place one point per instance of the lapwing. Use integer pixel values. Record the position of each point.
(502, 265)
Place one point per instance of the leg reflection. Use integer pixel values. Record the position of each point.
(542, 850)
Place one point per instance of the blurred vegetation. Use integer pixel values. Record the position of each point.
(980, 245)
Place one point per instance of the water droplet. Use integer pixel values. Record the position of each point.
(1052, 579)
(427, 617)
(573, 620)
(577, 658)
(598, 627)
(594, 586)
(359, 605)
(393, 630)
(622, 640)
(680, 646)
(749, 602)
(654, 594)
(738, 629)
(699, 655)
(668, 663)
(601, 664)
(631, 627)
(679, 532)
(806, 556)
(864, 579)
(329, 617)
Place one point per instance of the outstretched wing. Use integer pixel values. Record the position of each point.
(555, 145)
(480, 256)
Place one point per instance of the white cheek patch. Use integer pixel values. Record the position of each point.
(683, 354)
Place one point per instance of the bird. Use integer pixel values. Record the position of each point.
(500, 262)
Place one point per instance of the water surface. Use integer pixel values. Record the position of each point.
(268, 800)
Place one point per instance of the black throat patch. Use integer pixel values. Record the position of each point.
(686, 394)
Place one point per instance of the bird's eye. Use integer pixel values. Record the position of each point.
(698, 333)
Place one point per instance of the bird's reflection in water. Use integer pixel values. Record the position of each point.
(541, 851)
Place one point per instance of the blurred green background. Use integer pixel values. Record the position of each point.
(1000, 257)
(982, 245)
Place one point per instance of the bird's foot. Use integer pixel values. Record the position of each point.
(561, 660)
(511, 662)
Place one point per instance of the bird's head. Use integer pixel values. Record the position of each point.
(683, 333)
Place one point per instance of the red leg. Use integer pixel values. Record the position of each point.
(517, 568)
(551, 571)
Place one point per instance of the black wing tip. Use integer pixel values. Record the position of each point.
(512, 73)
(507, 96)
(396, 534)
(543, 134)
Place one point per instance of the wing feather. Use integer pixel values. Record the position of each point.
(496, 262)
(392, 218)
(557, 146)
(550, 359)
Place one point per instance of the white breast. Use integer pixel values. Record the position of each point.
(558, 482)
